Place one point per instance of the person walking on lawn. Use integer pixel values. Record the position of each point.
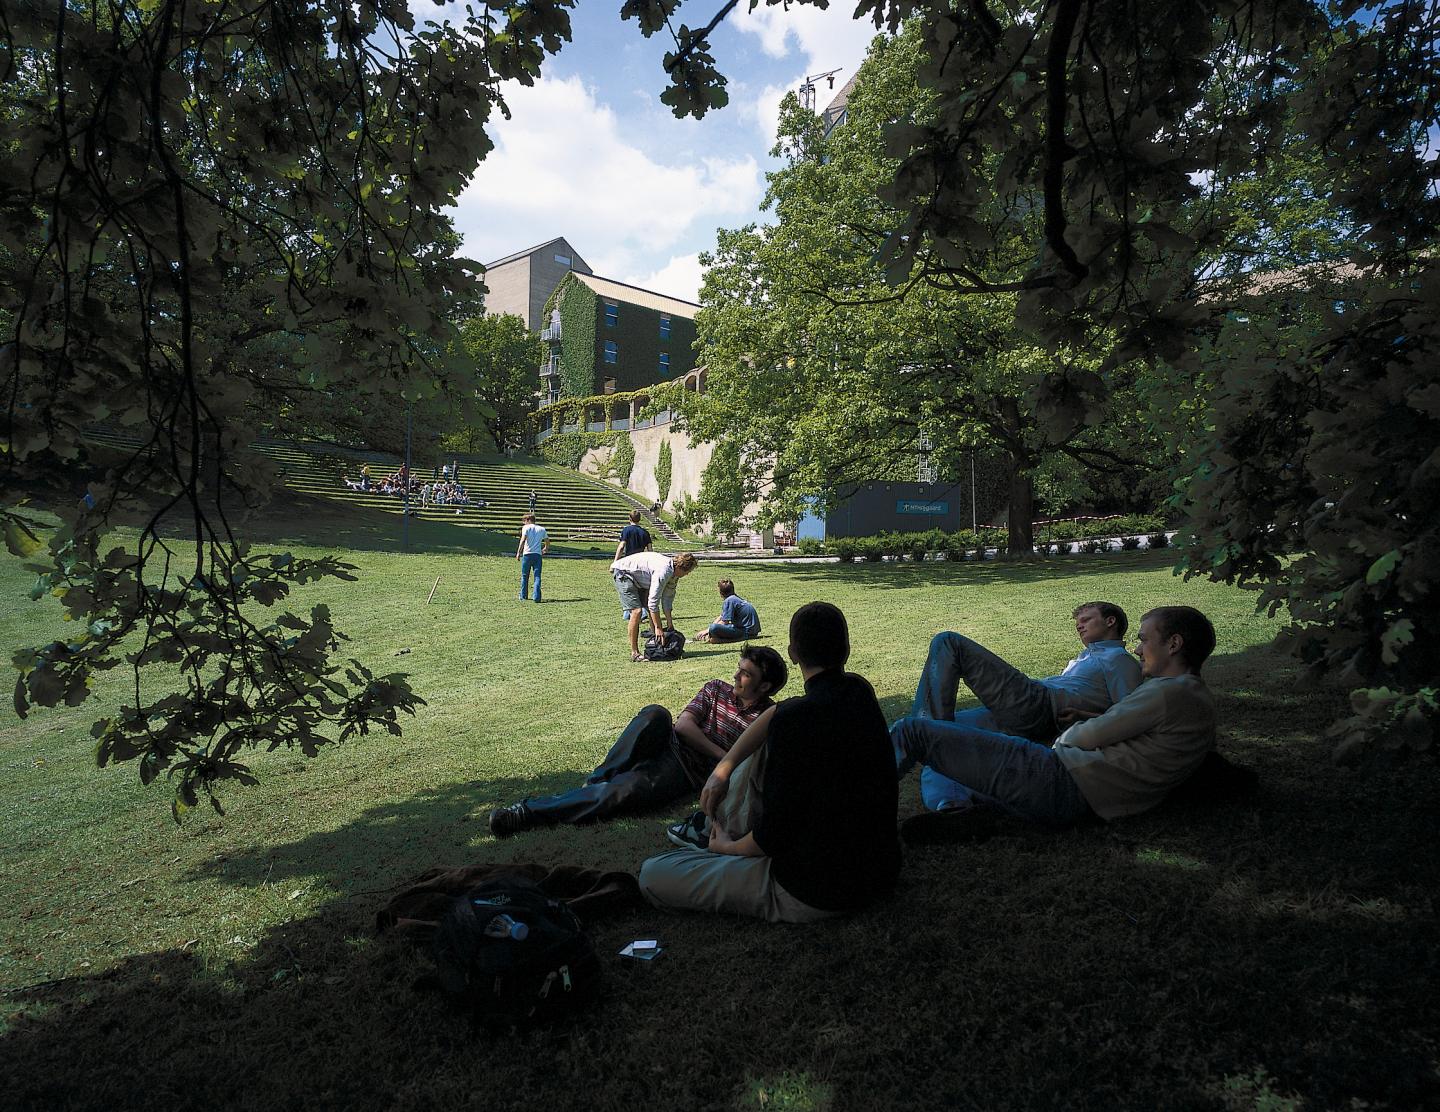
(633, 538)
(534, 543)
(657, 759)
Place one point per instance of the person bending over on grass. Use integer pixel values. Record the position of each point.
(737, 620)
(1012, 702)
(646, 582)
(656, 760)
(802, 809)
(1118, 763)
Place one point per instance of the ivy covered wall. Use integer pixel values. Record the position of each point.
(635, 333)
(578, 323)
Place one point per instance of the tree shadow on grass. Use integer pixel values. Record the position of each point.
(398, 838)
(1137, 966)
(1283, 943)
(319, 523)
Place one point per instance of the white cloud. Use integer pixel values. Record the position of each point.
(827, 37)
(565, 165)
(819, 41)
(680, 277)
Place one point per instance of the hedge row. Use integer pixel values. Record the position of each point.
(1056, 538)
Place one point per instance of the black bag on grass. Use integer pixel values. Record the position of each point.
(671, 646)
(511, 954)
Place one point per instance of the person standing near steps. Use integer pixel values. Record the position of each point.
(534, 543)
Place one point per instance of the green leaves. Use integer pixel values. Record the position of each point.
(20, 539)
(1382, 567)
(1322, 484)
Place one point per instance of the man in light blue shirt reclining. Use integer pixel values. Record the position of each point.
(1014, 703)
(1122, 762)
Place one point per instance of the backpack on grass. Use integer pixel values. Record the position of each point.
(512, 955)
(670, 646)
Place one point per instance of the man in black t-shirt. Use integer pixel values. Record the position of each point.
(801, 811)
(633, 538)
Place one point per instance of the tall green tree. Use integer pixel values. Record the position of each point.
(1130, 134)
(505, 357)
(207, 206)
(180, 179)
(828, 376)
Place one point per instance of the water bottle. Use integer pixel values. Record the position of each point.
(502, 926)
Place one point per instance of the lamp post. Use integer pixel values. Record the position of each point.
(405, 511)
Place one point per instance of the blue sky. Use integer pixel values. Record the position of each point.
(592, 154)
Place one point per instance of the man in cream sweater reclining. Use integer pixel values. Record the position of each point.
(1121, 762)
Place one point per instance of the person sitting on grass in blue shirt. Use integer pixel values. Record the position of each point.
(737, 620)
(1013, 703)
(1120, 762)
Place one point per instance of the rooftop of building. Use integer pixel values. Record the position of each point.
(635, 295)
(512, 257)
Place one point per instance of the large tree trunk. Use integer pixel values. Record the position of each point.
(1020, 519)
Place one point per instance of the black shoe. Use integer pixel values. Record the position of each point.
(693, 833)
(513, 819)
(965, 824)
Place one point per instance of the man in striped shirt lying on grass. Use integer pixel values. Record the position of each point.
(657, 759)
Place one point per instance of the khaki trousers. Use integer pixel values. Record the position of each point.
(698, 880)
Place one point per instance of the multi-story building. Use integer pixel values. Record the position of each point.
(606, 337)
(523, 282)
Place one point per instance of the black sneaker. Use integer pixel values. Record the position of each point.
(966, 824)
(513, 819)
(693, 833)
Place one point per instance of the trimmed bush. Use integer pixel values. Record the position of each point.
(1091, 547)
(1129, 544)
(1158, 540)
(663, 468)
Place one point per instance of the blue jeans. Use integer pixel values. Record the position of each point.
(1017, 704)
(940, 793)
(723, 631)
(529, 562)
(1021, 777)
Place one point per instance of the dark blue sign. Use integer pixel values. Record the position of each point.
(906, 506)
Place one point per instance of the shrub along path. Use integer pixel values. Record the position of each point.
(1230, 956)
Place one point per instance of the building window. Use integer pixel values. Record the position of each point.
(612, 314)
(609, 387)
(612, 353)
(563, 260)
(664, 327)
(664, 363)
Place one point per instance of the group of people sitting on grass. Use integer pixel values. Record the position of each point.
(798, 799)
(393, 483)
(445, 492)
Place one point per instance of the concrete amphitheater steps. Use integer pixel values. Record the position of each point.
(570, 507)
(566, 505)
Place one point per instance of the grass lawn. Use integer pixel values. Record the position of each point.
(1236, 956)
